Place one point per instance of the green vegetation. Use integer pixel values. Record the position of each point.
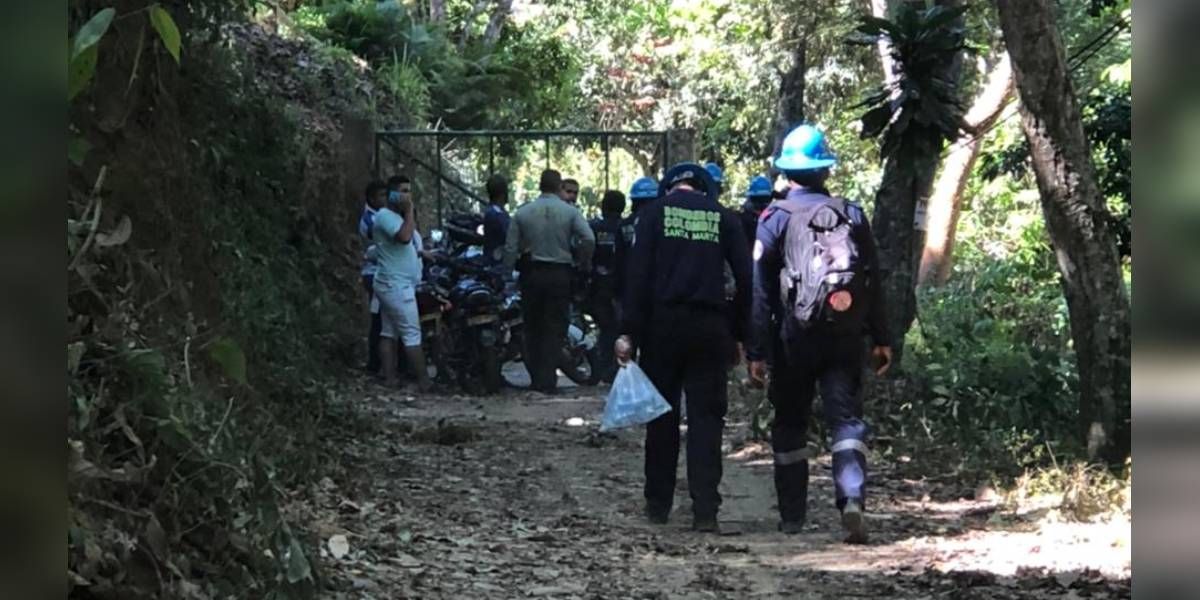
(213, 296)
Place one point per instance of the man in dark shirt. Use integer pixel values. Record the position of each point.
(603, 288)
(495, 218)
(643, 191)
(675, 311)
(375, 198)
(814, 354)
(758, 196)
(570, 191)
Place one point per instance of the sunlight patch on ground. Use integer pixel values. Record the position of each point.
(1056, 547)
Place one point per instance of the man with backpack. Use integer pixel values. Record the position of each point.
(816, 293)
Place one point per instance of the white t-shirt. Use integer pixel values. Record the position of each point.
(399, 263)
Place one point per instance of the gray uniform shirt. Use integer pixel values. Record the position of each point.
(545, 229)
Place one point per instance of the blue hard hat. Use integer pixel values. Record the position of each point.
(715, 171)
(644, 189)
(805, 149)
(693, 171)
(759, 187)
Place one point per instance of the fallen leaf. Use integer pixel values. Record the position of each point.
(339, 546)
(117, 236)
(407, 561)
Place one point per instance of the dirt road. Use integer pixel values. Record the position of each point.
(519, 496)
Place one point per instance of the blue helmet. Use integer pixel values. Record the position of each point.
(693, 171)
(715, 171)
(760, 187)
(643, 189)
(805, 149)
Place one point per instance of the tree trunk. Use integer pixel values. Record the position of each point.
(1077, 221)
(907, 178)
(496, 23)
(437, 11)
(942, 214)
(789, 110)
(880, 9)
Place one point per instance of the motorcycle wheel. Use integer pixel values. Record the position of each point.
(489, 362)
(579, 370)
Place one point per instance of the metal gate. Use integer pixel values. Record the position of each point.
(392, 140)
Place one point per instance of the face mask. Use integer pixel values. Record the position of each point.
(394, 198)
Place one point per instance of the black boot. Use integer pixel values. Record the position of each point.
(706, 523)
(791, 489)
(791, 527)
(657, 514)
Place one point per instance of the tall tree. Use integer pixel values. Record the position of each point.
(496, 21)
(917, 113)
(437, 11)
(789, 110)
(1077, 222)
(945, 202)
(880, 9)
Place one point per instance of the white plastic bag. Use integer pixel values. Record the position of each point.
(633, 400)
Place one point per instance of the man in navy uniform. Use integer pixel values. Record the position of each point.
(495, 218)
(758, 196)
(822, 353)
(602, 297)
(643, 191)
(675, 312)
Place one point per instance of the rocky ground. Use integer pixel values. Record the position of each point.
(520, 496)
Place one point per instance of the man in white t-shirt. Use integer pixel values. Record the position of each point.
(394, 234)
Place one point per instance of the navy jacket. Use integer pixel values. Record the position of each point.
(749, 217)
(628, 228)
(608, 242)
(681, 244)
(768, 261)
(495, 230)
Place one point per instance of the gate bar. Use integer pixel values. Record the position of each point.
(437, 142)
(442, 177)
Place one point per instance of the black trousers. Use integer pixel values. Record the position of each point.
(688, 349)
(603, 308)
(373, 363)
(545, 300)
(804, 361)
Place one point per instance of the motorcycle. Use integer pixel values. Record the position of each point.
(461, 265)
(468, 345)
(580, 354)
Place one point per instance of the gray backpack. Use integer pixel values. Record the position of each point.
(824, 276)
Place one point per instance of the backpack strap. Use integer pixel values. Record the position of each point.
(854, 212)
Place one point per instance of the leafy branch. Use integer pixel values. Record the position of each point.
(81, 65)
(923, 42)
